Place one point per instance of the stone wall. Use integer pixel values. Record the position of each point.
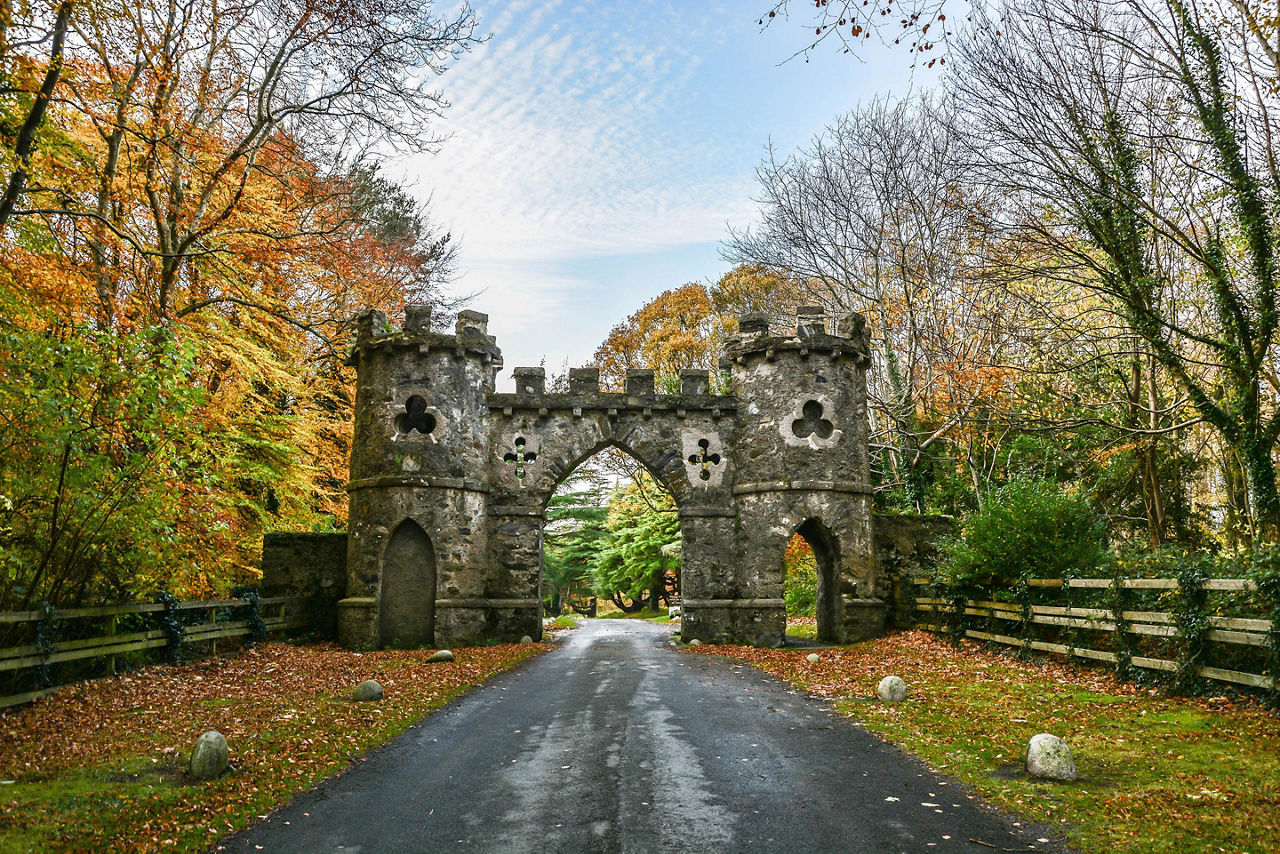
(312, 566)
(906, 547)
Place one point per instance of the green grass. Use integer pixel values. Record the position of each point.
(564, 621)
(642, 614)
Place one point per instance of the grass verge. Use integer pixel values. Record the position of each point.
(564, 621)
(1158, 773)
(102, 765)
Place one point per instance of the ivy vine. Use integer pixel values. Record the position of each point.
(1268, 581)
(1023, 596)
(172, 626)
(1118, 599)
(257, 627)
(46, 637)
(1191, 616)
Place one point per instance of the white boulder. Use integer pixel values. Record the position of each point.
(368, 690)
(209, 756)
(1049, 758)
(892, 689)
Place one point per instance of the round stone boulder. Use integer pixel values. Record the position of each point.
(368, 690)
(209, 756)
(813, 658)
(892, 689)
(695, 642)
(1049, 758)
(526, 639)
(440, 655)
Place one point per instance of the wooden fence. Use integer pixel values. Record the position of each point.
(1125, 633)
(106, 643)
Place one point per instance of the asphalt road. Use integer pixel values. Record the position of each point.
(617, 742)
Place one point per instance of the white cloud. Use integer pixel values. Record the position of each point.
(566, 138)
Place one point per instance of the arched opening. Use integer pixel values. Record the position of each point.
(407, 606)
(611, 541)
(809, 583)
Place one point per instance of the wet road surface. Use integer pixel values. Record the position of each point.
(618, 743)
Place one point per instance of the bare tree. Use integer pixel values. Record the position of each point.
(920, 25)
(1137, 141)
(877, 215)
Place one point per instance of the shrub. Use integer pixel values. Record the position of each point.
(1027, 528)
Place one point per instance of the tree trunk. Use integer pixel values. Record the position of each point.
(1262, 487)
(26, 142)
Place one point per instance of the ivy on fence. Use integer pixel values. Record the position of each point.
(46, 637)
(1191, 616)
(257, 627)
(1268, 580)
(172, 626)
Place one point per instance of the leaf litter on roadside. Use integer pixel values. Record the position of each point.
(102, 764)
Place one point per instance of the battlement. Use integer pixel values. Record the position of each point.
(847, 338)
(585, 393)
(470, 336)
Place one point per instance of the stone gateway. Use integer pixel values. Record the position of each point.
(450, 481)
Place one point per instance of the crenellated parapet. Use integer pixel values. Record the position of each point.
(450, 480)
(585, 393)
(846, 340)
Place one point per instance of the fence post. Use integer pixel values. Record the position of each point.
(111, 633)
(213, 642)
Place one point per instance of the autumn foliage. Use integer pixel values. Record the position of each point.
(202, 219)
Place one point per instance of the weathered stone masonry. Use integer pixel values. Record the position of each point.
(450, 481)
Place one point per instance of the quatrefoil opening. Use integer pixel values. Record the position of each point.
(416, 416)
(704, 460)
(520, 457)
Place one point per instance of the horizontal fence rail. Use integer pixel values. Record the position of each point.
(277, 614)
(1032, 626)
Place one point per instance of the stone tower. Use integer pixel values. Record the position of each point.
(450, 482)
(418, 477)
(802, 466)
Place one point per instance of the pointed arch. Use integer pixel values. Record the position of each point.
(826, 551)
(664, 583)
(407, 597)
(659, 467)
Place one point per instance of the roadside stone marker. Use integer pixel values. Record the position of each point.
(1049, 758)
(892, 689)
(209, 756)
(368, 690)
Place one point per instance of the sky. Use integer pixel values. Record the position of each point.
(598, 152)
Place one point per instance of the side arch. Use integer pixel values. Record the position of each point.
(407, 595)
(826, 551)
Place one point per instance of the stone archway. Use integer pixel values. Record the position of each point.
(659, 483)
(778, 440)
(408, 592)
(826, 551)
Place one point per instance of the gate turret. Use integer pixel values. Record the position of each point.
(417, 484)
(802, 465)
